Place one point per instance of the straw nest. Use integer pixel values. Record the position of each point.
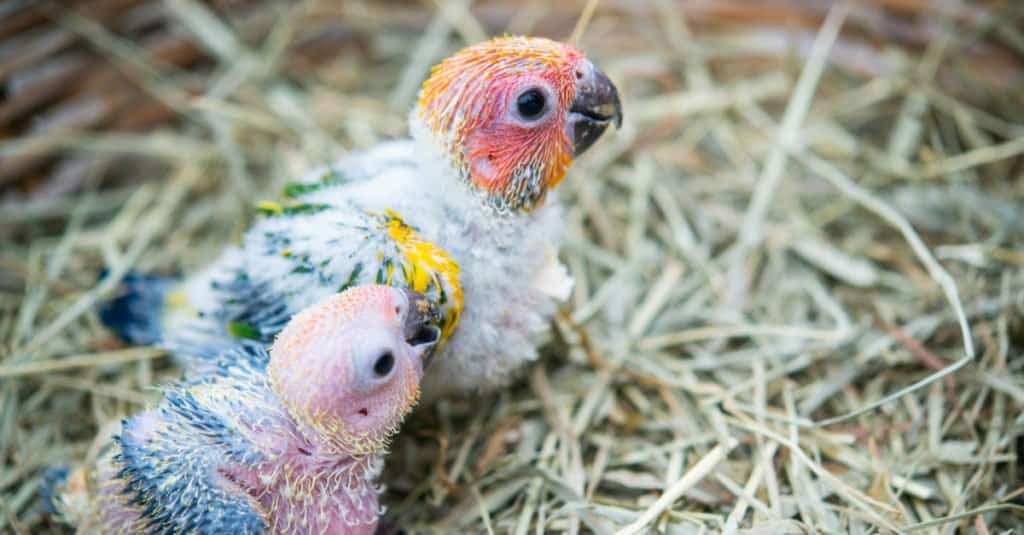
(799, 264)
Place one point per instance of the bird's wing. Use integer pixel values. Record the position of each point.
(174, 459)
(327, 232)
(292, 260)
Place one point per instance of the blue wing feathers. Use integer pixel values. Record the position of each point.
(136, 313)
(53, 477)
(169, 457)
(173, 481)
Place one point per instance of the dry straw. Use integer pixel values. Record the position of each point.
(799, 265)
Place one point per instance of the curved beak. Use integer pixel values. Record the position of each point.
(421, 326)
(595, 106)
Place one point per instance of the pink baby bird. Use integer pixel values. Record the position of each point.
(286, 442)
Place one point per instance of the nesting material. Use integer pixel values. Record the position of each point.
(799, 266)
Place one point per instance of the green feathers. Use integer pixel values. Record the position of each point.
(243, 329)
(293, 190)
(273, 208)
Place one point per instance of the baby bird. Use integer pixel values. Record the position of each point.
(464, 211)
(286, 442)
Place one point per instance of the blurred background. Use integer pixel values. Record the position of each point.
(807, 204)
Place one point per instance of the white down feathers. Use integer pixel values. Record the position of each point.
(509, 274)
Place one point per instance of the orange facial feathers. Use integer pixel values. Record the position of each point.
(474, 105)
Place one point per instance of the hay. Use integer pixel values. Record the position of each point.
(799, 265)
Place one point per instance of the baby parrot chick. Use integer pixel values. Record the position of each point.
(464, 212)
(289, 441)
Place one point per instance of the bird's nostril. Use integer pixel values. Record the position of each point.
(425, 335)
(364, 411)
(579, 75)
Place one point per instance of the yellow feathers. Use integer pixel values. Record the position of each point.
(427, 268)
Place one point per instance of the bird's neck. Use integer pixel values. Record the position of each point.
(321, 493)
(520, 195)
(323, 449)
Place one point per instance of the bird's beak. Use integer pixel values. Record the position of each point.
(595, 106)
(421, 326)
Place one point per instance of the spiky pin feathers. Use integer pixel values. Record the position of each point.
(461, 212)
(289, 442)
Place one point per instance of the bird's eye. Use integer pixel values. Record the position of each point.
(530, 104)
(384, 364)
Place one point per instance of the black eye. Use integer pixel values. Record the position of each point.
(530, 104)
(385, 362)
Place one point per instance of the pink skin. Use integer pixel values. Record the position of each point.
(498, 145)
(324, 369)
(513, 112)
(114, 513)
(328, 374)
(343, 377)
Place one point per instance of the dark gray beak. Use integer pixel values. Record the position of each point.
(421, 327)
(595, 106)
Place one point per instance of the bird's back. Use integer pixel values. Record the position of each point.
(391, 216)
(343, 225)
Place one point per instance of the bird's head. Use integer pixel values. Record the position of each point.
(512, 113)
(349, 369)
